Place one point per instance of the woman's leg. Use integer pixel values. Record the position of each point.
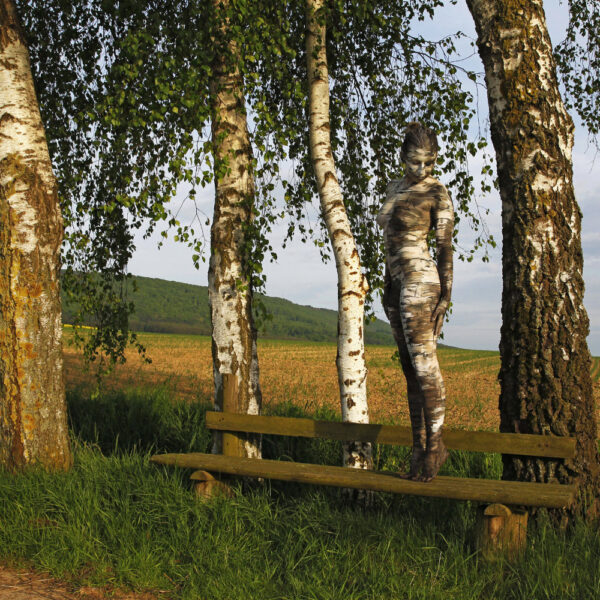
(417, 302)
(391, 306)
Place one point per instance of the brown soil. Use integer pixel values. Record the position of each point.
(16, 584)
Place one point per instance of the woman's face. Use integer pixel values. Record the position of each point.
(419, 164)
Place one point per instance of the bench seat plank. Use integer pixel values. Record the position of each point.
(548, 446)
(458, 488)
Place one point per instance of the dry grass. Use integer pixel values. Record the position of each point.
(304, 373)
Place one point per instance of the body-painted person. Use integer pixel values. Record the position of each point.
(417, 290)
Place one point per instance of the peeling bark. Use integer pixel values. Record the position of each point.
(33, 422)
(229, 287)
(352, 285)
(545, 378)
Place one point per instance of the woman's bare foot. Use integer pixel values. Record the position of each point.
(416, 463)
(433, 461)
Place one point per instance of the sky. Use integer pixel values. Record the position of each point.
(300, 276)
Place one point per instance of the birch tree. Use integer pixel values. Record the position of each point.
(545, 362)
(229, 280)
(352, 285)
(125, 80)
(381, 76)
(33, 422)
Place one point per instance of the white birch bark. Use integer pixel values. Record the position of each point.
(229, 289)
(33, 423)
(352, 285)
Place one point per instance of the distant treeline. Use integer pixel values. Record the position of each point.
(172, 307)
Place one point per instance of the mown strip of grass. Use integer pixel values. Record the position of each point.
(116, 519)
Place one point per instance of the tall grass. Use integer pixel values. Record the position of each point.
(138, 419)
(116, 519)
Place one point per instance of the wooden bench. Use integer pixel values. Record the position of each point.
(498, 494)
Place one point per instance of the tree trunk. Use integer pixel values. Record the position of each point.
(545, 378)
(229, 286)
(33, 422)
(352, 285)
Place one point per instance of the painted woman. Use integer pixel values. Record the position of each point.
(418, 290)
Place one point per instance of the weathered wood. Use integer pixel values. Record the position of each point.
(233, 443)
(500, 532)
(480, 490)
(202, 476)
(206, 485)
(456, 439)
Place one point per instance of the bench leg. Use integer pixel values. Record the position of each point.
(500, 532)
(207, 485)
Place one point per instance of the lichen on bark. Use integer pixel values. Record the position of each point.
(33, 423)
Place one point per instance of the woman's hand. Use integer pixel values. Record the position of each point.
(437, 317)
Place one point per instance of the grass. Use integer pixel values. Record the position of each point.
(135, 420)
(117, 520)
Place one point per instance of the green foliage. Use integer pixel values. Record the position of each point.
(578, 59)
(102, 301)
(181, 308)
(126, 92)
(124, 96)
(381, 77)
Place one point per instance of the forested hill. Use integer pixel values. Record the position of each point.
(172, 307)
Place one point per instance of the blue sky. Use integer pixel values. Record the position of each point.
(300, 276)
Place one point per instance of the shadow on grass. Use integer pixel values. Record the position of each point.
(138, 420)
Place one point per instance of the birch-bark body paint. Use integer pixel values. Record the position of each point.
(415, 287)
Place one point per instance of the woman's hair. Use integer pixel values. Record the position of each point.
(419, 136)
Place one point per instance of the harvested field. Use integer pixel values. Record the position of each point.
(304, 373)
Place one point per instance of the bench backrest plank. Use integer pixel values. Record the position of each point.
(457, 439)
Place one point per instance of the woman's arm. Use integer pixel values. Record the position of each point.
(386, 210)
(443, 215)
